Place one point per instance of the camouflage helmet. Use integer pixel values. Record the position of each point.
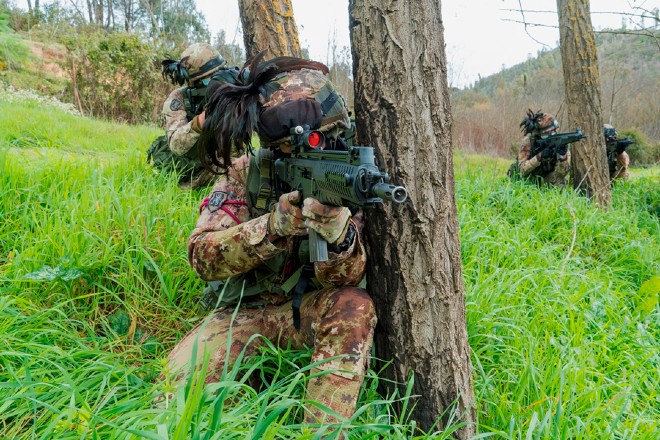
(539, 123)
(546, 124)
(201, 60)
(609, 132)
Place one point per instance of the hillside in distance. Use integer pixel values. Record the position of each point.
(629, 68)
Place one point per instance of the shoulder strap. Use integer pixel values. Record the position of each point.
(259, 182)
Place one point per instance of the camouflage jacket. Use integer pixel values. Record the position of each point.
(180, 135)
(227, 241)
(527, 165)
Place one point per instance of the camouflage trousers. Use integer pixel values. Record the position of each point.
(336, 321)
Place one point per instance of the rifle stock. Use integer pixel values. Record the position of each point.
(344, 177)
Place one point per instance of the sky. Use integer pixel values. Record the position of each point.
(481, 36)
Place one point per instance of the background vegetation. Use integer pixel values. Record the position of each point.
(99, 60)
(487, 114)
(95, 289)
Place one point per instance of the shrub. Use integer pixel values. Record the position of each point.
(116, 76)
(642, 153)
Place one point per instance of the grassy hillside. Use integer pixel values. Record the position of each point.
(562, 302)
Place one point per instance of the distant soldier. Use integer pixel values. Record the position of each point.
(549, 165)
(183, 113)
(617, 158)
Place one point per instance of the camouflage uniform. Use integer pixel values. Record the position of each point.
(620, 170)
(337, 318)
(527, 166)
(199, 61)
(180, 131)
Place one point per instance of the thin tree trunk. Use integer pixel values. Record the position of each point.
(90, 11)
(269, 25)
(74, 83)
(582, 89)
(414, 274)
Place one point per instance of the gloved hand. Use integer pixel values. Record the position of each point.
(286, 219)
(198, 122)
(330, 222)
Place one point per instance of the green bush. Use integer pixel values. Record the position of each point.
(642, 153)
(116, 76)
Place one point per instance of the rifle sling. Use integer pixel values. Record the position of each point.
(302, 286)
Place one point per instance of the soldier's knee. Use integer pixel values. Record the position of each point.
(352, 304)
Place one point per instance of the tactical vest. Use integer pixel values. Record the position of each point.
(261, 196)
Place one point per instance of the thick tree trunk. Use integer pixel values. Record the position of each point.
(269, 25)
(582, 89)
(414, 274)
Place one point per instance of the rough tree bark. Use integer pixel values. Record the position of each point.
(269, 25)
(583, 102)
(402, 109)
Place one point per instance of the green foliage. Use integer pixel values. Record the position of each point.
(182, 23)
(642, 152)
(117, 75)
(13, 52)
(562, 303)
(230, 51)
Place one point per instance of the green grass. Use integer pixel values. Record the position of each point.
(95, 289)
(13, 52)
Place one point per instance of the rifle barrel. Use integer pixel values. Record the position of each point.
(393, 193)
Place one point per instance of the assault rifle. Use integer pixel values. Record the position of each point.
(193, 100)
(557, 145)
(614, 147)
(334, 174)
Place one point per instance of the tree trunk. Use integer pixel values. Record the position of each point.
(414, 273)
(90, 11)
(269, 25)
(582, 89)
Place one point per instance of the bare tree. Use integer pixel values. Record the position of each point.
(583, 101)
(269, 25)
(403, 110)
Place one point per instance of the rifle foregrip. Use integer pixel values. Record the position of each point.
(318, 247)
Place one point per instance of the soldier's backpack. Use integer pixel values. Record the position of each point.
(162, 158)
(514, 172)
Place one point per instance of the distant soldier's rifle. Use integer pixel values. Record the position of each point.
(556, 146)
